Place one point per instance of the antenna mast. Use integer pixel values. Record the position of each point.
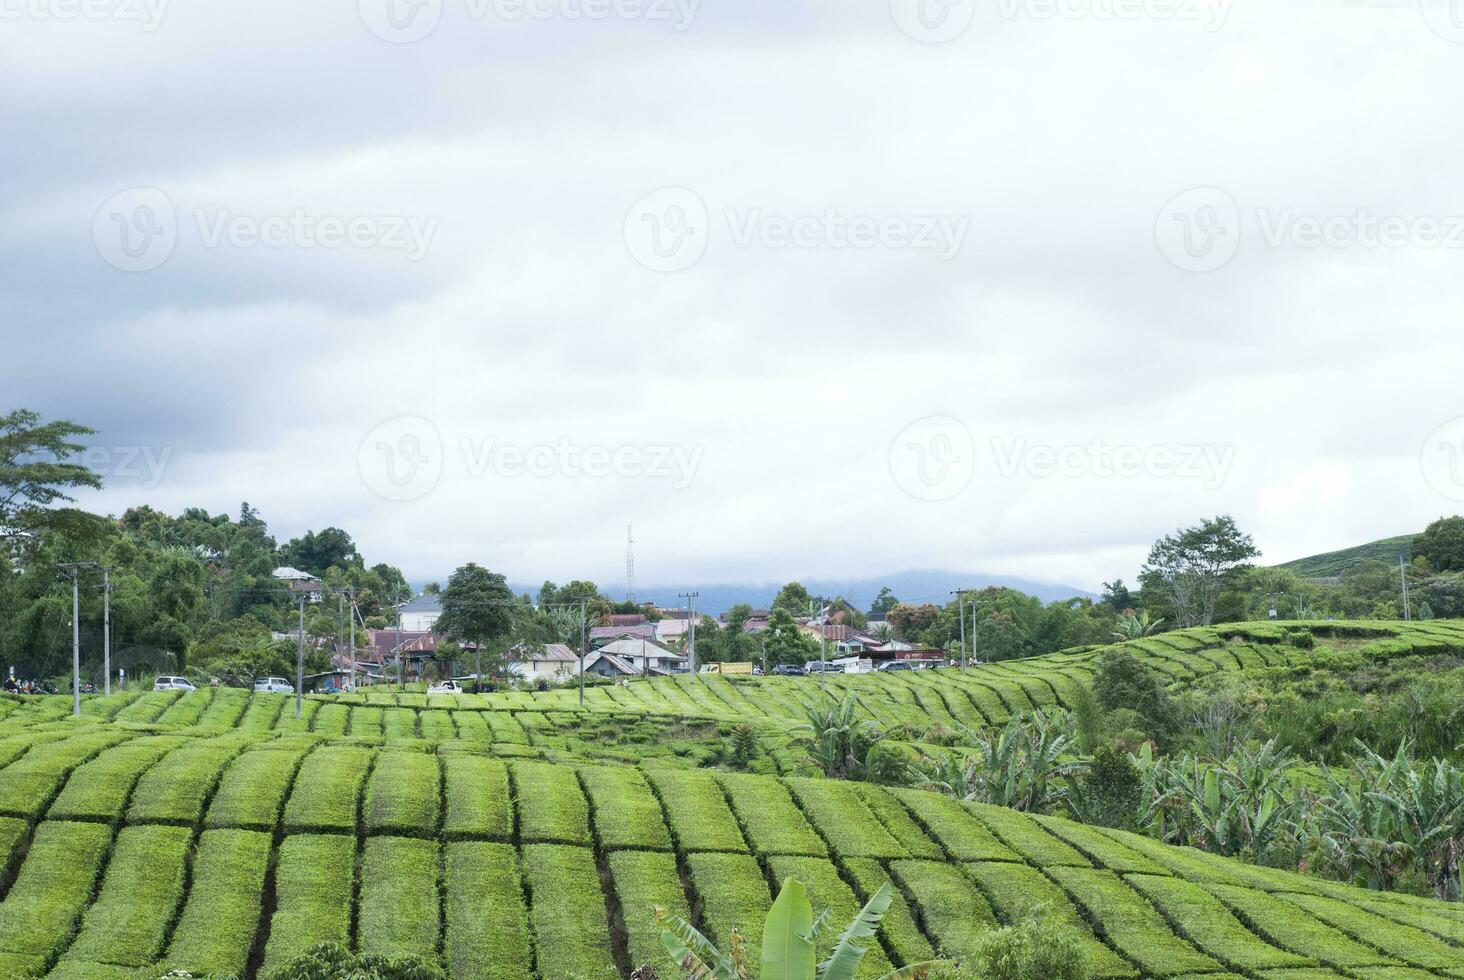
(629, 563)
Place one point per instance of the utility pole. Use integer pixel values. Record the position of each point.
(74, 569)
(690, 598)
(106, 629)
(353, 637)
(1403, 575)
(961, 612)
(341, 623)
(401, 676)
(300, 664)
(582, 654)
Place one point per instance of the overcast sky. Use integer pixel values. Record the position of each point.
(830, 288)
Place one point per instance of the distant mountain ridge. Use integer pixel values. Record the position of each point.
(933, 586)
(1334, 563)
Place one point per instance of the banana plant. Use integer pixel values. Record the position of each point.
(790, 943)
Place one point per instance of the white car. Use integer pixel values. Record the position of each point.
(273, 685)
(445, 687)
(173, 684)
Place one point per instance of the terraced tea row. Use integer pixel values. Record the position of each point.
(130, 852)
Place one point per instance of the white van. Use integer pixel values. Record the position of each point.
(173, 684)
(273, 685)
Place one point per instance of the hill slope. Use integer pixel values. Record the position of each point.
(1334, 563)
(215, 832)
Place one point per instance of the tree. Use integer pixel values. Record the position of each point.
(785, 642)
(36, 471)
(1442, 543)
(1191, 566)
(1116, 596)
(477, 607)
(910, 621)
(1124, 682)
(884, 602)
(794, 598)
(314, 553)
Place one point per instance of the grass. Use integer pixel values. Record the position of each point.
(313, 885)
(568, 913)
(219, 920)
(399, 897)
(487, 922)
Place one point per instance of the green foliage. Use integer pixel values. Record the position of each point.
(842, 816)
(844, 746)
(768, 815)
(399, 898)
(216, 930)
(402, 797)
(55, 883)
(313, 892)
(552, 809)
(127, 923)
(1026, 766)
(326, 790)
(478, 801)
(37, 469)
(953, 909)
(1131, 923)
(253, 788)
(99, 789)
(175, 788)
(1111, 792)
(332, 961)
(626, 814)
(1190, 567)
(487, 924)
(697, 808)
(567, 910)
(1125, 682)
(648, 885)
(1442, 544)
(1035, 947)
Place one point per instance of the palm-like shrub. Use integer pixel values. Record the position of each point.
(845, 747)
(1025, 766)
(790, 943)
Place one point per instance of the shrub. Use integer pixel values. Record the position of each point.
(471, 725)
(1025, 836)
(226, 708)
(842, 816)
(644, 882)
(772, 821)
(1131, 924)
(955, 912)
(127, 924)
(1209, 925)
(329, 961)
(99, 789)
(487, 924)
(734, 895)
(898, 928)
(699, 815)
(627, 815)
(1123, 681)
(478, 801)
(1413, 946)
(437, 725)
(400, 723)
(314, 880)
(402, 797)
(828, 892)
(1034, 947)
(1291, 928)
(217, 927)
(505, 728)
(961, 834)
(1111, 793)
(897, 820)
(399, 898)
(1105, 850)
(367, 721)
(187, 709)
(1019, 891)
(173, 791)
(253, 789)
(332, 719)
(53, 886)
(263, 713)
(551, 806)
(289, 723)
(324, 798)
(27, 786)
(568, 913)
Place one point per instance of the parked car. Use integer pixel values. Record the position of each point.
(173, 684)
(445, 687)
(823, 667)
(897, 665)
(273, 685)
(788, 670)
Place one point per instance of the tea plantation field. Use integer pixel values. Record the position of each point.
(503, 836)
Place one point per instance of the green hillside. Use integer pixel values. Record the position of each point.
(501, 836)
(1334, 563)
